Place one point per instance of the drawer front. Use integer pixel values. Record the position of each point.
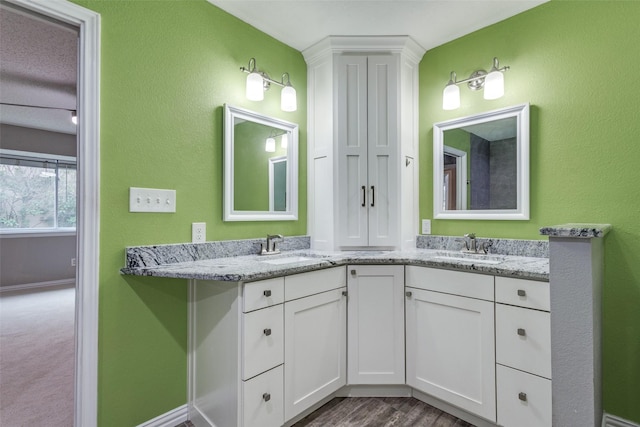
(264, 293)
(305, 284)
(262, 340)
(471, 285)
(523, 293)
(524, 400)
(523, 339)
(263, 400)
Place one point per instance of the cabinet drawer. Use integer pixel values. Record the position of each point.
(262, 340)
(524, 293)
(524, 400)
(523, 339)
(305, 284)
(263, 294)
(263, 400)
(451, 282)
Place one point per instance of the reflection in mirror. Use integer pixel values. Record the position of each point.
(481, 166)
(260, 167)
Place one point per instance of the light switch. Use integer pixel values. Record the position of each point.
(151, 200)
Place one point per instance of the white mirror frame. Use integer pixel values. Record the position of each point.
(291, 214)
(521, 112)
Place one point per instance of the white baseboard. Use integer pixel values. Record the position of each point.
(169, 419)
(609, 420)
(37, 285)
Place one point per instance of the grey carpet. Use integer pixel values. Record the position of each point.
(37, 358)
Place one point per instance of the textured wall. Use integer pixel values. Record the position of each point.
(167, 68)
(584, 146)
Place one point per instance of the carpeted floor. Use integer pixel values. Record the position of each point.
(37, 358)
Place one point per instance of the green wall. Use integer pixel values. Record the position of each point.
(576, 62)
(167, 68)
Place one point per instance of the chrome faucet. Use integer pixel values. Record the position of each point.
(470, 243)
(271, 245)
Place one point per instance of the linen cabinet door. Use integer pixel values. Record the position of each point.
(450, 349)
(315, 349)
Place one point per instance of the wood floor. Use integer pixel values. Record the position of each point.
(379, 412)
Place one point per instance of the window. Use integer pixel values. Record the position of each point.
(37, 192)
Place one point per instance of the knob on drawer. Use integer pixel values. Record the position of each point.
(267, 293)
(267, 331)
(267, 397)
(522, 332)
(408, 294)
(522, 396)
(522, 293)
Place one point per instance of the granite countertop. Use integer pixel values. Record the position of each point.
(256, 267)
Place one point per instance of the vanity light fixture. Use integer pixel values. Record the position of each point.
(270, 145)
(284, 141)
(74, 117)
(259, 81)
(492, 82)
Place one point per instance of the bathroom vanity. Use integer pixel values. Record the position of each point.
(273, 338)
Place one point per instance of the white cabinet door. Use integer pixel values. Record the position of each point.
(367, 128)
(450, 349)
(315, 349)
(375, 324)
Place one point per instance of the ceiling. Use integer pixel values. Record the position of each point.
(38, 68)
(302, 23)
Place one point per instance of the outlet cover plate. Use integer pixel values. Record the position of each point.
(198, 232)
(152, 200)
(426, 226)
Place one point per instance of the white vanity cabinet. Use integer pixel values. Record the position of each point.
(450, 337)
(363, 142)
(523, 353)
(375, 322)
(315, 337)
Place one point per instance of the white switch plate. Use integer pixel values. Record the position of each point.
(151, 200)
(198, 232)
(426, 226)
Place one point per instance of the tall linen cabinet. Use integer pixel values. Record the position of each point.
(363, 142)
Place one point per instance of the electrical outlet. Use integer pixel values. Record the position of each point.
(152, 200)
(426, 226)
(198, 232)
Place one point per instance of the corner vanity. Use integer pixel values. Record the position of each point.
(272, 338)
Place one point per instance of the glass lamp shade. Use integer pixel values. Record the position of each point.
(74, 117)
(451, 97)
(494, 85)
(284, 141)
(288, 99)
(270, 145)
(255, 87)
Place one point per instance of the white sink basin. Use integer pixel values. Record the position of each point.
(470, 260)
(286, 260)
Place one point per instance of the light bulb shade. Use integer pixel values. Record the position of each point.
(255, 87)
(270, 145)
(288, 100)
(494, 85)
(284, 141)
(74, 117)
(451, 97)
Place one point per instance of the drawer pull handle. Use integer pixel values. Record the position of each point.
(267, 397)
(522, 293)
(345, 293)
(522, 396)
(267, 293)
(522, 332)
(408, 294)
(267, 331)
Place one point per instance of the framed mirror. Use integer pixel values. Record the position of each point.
(261, 167)
(481, 166)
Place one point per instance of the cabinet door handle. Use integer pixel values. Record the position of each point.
(522, 332)
(353, 272)
(267, 293)
(364, 196)
(267, 331)
(522, 396)
(408, 294)
(266, 397)
(345, 293)
(373, 196)
(522, 293)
